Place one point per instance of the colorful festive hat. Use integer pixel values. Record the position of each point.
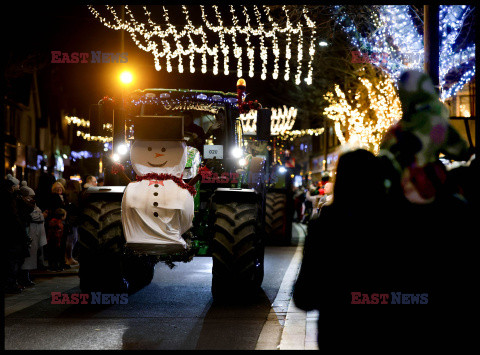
(414, 144)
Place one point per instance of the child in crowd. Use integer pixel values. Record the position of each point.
(55, 240)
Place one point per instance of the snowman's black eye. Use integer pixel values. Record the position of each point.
(149, 149)
(163, 149)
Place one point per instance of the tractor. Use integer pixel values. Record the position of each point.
(230, 203)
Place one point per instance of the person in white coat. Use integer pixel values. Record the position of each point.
(36, 232)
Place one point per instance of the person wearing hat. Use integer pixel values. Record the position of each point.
(16, 241)
(36, 232)
(14, 180)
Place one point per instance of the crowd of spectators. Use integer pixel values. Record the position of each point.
(40, 227)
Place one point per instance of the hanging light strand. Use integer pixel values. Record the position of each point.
(165, 42)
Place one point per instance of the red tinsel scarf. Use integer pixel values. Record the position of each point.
(176, 180)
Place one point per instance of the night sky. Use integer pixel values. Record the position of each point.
(40, 29)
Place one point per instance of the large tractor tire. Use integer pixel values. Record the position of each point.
(277, 224)
(105, 264)
(237, 251)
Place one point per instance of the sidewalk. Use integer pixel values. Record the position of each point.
(298, 328)
(46, 283)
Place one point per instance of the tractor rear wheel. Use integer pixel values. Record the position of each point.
(105, 265)
(277, 225)
(237, 251)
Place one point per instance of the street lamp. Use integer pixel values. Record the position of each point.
(323, 44)
(119, 147)
(126, 77)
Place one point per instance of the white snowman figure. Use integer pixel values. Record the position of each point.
(158, 208)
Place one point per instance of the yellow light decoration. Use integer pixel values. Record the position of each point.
(164, 41)
(377, 108)
(282, 120)
(79, 122)
(88, 137)
(291, 135)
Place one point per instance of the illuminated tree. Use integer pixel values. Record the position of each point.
(396, 35)
(363, 113)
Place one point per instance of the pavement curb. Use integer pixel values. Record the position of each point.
(287, 327)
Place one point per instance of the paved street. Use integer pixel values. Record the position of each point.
(175, 312)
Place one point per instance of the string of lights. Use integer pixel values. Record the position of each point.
(397, 39)
(80, 122)
(76, 121)
(282, 120)
(89, 137)
(291, 135)
(165, 41)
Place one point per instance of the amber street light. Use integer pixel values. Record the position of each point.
(126, 77)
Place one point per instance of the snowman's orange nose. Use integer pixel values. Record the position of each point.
(158, 155)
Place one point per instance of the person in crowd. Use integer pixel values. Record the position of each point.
(12, 241)
(55, 240)
(433, 213)
(73, 191)
(16, 240)
(44, 189)
(15, 182)
(90, 180)
(37, 235)
(311, 201)
(63, 182)
(100, 181)
(405, 234)
(299, 200)
(58, 200)
(326, 196)
(339, 255)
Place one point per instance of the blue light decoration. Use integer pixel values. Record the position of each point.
(400, 43)
(83, 154)
(59, 166)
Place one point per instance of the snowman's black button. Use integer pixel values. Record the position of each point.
(155, 214)
(155, 194)
(156, 185)
(155, 204)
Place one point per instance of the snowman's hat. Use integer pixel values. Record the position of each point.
(159, 128)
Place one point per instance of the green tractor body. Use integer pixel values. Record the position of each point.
(230, 203)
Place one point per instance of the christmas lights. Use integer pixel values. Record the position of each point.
(89, 137)
(164, 41)
(291, 135)
(376, 108)
(396, 38)
(282, 120)
(79, 122)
